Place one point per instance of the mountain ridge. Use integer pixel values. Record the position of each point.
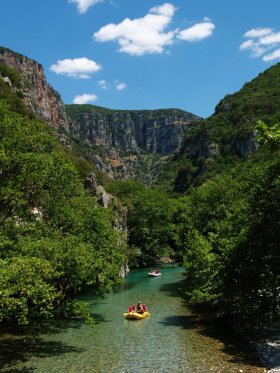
(122, 143)
(228, 136)
(168, 146)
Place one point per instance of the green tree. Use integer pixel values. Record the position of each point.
(252, 278)
(27, 289)
(268, 135)
(210, 221)
(150, 224)
(55, 238)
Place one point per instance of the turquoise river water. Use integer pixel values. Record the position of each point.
(172, 340)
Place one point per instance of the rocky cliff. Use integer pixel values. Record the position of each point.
(129, 143)
(122, 143)
(38, 95)
(153, 131)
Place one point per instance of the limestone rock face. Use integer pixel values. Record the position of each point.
(43, 100)
(154, 131)
(90, 183)
(124, 144)
(129, 143)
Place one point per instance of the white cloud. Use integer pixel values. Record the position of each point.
(104, 84)
(258, 51)
(258, 32)
(84, 5)
(254, 47)
(261, 40)
(84, 99)
(248, 44)
(149, 34)
(273, 38)
(275, 55)
(121, 86)
(197, 32)
(77, 68)
(141, 35)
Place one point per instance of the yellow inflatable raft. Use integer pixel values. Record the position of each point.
(135, 315)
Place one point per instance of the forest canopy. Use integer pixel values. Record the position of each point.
(55, 237)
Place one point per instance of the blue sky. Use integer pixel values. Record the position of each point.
(145, 54)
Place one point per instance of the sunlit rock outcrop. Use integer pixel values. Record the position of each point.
(38, 94)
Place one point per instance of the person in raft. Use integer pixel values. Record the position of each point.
(131, 308)
(140, 308)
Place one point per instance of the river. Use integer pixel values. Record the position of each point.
(172, 340)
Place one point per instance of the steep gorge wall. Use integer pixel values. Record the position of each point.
(122, 143)
(129, 143)
(153, 131)
(39, 95)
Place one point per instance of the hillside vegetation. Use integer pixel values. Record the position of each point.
(55, 238)
(215, 209)
(227, 137)
(224, 224)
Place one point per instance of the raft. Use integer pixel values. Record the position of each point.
(154, 274)
(135, 315)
